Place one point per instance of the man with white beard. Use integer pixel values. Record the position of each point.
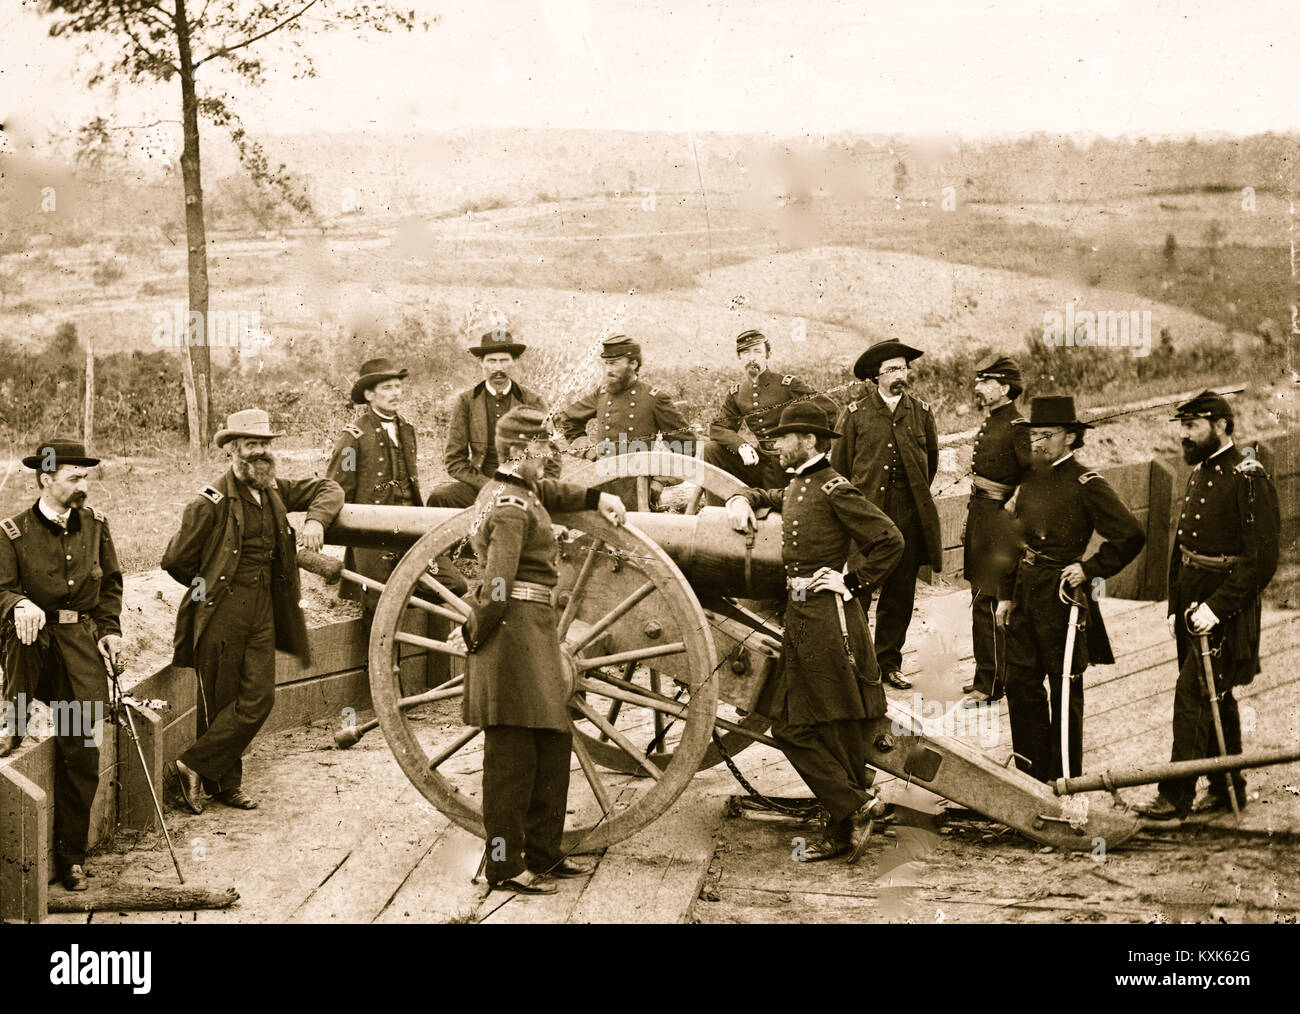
(236, 555)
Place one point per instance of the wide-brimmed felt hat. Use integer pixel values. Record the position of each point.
(59, 451)
(868, 365)
(372, 372)
(1206, 405)
(616, 346)
(497, 340)
(252, 423)
(523, 423)
(803, 417)
(1053, 410)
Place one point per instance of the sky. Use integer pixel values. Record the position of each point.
(777, 66)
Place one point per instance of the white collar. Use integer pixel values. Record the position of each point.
(503, 392)
(891, 402)
(1219, 451)
(49, 512)
(807, 464)
(1064, 457)
(384, 418)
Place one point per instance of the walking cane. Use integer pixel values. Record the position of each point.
(1066, 666)
(126, 702)
(1208, 669)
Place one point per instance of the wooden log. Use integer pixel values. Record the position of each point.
(141, 898)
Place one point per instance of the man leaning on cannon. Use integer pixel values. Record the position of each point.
(754, 403)
(61, 603)
(1224, 555)
(827, 683)
(237, 557)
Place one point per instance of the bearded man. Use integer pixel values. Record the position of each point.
(236, 555)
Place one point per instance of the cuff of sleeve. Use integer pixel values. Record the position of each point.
(592, 500)
(854, 586)
(1090, 568)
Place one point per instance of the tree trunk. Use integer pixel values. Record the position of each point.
(142, 898)
(88, 417)
(198, 395)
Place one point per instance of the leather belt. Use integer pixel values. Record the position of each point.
(63, 616)
(988, 489)
(527, 591)
(1218, 564)
(1036, 559)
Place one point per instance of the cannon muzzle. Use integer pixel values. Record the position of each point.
(715, 559)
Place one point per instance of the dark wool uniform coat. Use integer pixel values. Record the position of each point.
(867, 447)
(468, 439)
(207, 547)
(1230, 509)
(822, 518)
(638, 412)
(1058, 509)
(1001, 453)
(364, 464)
(76, 569)
(513, 673)
(758, 404)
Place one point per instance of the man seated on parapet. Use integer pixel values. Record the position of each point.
(471, 455)
(630, 414)
(751, 410)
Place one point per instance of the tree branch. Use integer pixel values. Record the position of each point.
(227, 50)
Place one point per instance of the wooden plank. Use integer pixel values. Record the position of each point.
(24, 847)
(323, 697)
(438, 889)
(135, 809)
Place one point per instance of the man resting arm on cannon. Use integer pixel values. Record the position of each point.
(827, 684)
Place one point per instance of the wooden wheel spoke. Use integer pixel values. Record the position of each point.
(612, 717)
(452, 688)
(631, 655)
(613, 616)
(429, 643)
(579, 587)
(643, 492)
(430, 582)
(623, 743)
(629, 693)
(592, 775)
(446, 752)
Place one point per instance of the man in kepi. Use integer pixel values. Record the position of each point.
(236, 555)
(1224, 555)
(890, 451)
(999, 460)
(755, 404)
(471, 455)
(827, 683)
(515, 684)
(61, 603)
(1059, 506)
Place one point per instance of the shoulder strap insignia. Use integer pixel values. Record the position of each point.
(101, 517)
(354, 429)
(510, 500)
(923, 405)
(1249, 466)
(215, 495)
(11, 529)
(1089, 476)
(655, 392)
(831, 485)
(853, 406)
(735, 389)
(787, 380)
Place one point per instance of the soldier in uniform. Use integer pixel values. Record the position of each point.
(1224, 555)
(827, 683)
(755, 403)
(471, 455)
(236, 555)
(890, 451)
(1059, 506)
(61, 603)
(999, 460)
(625, 407)
(374, 461)
(515, 687)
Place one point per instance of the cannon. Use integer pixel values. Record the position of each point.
(669, 627)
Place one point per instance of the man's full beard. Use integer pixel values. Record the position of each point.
(1194, 451)
(257, 471)
(897, 386)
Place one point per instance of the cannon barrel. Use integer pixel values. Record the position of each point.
(709, 552)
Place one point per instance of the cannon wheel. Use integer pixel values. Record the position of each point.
(645, 465)
(628, 583)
